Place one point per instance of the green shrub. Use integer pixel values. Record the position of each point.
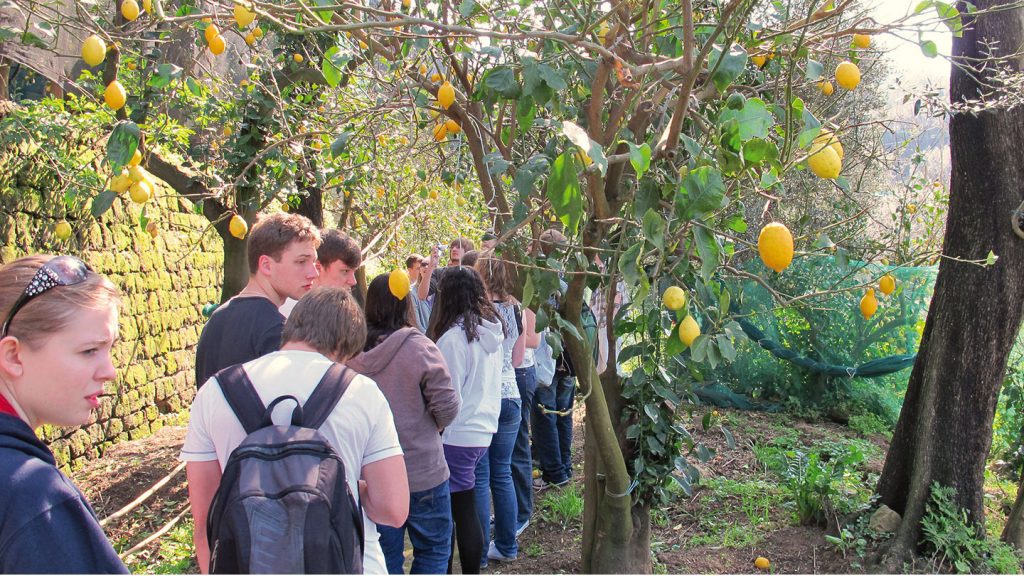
(959, 545)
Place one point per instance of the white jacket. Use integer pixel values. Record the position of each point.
(475, 368)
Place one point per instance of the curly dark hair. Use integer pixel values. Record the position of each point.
(461, 295)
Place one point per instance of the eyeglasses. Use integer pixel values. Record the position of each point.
(58, 271)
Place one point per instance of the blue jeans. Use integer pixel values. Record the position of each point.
(522, 460)
(552, 434)
(430, 531)
(494, 481)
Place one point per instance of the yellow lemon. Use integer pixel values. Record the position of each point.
(847, 75)
(63, 230)
(452, 126)
(435, 77)
(363, 45)
(688, 330)
(674, 298)
(762, 563)
(250, 39)
(243, 16)
(827, 138)
(398, 283)
(258, 32)
(238, 227)
(440, 132)
(826, 87)
(136, 173)
(868, 304)
(406, 4)
(602, 31)
(217, 45)
(115, 96)
(861, 40)
(130, 10)
(298, 58)
(381, 192)
(460, 201)
(423, 69)
(140, 191)
(886, 284)
(94, 50)
(825, 163)
(759, 60)
(211, 32)
(121, 182)
(136, 158)
(147, 5)
(446, 95)
(911, 208)
(775, 246)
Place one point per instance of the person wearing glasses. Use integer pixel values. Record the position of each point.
(59, 325)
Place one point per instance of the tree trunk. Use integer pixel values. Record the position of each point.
(236, 267)
(945, 428)
(1013, 532)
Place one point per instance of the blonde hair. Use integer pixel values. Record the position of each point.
(52, 310)
(329, 320)
(498, 276)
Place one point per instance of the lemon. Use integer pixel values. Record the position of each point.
(136, 158)
(121, 182)
(136, 173)
(257, 32)
(762, 563)
(452, 126)
(363, 45)
(886, 284)
(63, 230)
(250, 39)
(211, 32)
(406, 4)
(825, 163)
(460, 201)
(381, 192)
(217, 45)
(440, 132)
(911, 208)
(435, 77)
(398, 283)
(130, 10)
(238, 227)
(827, 138)
(826, 87)
(868, 304)
(775, 245)
(446, 95)
(141, 191)
(847, 75)
(297, 57)
(423, 69)
(674, 298)
(433, 195)
(147, 5)
(861, 40)
(602, 31)
(688, 330)
(243, 16)
(115, 96)
(759, 60)
(94, 50)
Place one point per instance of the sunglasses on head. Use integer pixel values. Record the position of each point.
(58, 271)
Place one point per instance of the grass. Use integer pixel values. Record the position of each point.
(563, 506)
(174, 555)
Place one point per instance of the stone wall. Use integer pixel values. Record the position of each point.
(165, 282)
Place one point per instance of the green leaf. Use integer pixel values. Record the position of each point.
(673, 345)
(757, 151)
(528, 292)
(526, 111)
(165, 73)
(810, 130)
(339, 144)
(814, 69)
(823, 242)
(503, 81)
(727, 66)
(991, 258)
(467, 8)
(324, 15)
(702, 191)
(528, 173)
(736, 223)
(564, 192)
(332, 64)
(496, 163)
(629, 264)
(579, 137)
(708, 250)
(922, 6)
(654, 229)
(640, 158)
(195, 88)
(929, 48)
(730, 441)
(725, 347)
(121, 144)
(552, 77)
(102, 202)
(555, 342)
(753, 120)
(950, 17)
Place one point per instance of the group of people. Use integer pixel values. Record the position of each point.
(434, 431)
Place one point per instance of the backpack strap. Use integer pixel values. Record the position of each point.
(241, 396)
(326, 395)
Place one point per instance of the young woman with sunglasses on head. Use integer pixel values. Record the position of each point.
(59, 324)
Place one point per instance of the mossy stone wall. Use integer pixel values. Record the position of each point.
(165, 282)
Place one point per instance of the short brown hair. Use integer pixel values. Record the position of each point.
(338, 245)
(498, 276)
(413, 259)
(329, 320)
(273, 233)
(50, 311)
(462, 242)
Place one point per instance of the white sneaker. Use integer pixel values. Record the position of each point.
(521, 529)
(493, 554)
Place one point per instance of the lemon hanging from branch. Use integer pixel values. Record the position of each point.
(674, 298)
(847, 75)
(775, 246)
(238, 227)
(887, 284)
(115, 96)
(94, 50)
(689, 330)
(130, 10)
(243, 16)
(446, 95)
(868, 304)
(825, 163)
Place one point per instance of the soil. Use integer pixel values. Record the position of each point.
(548, 546)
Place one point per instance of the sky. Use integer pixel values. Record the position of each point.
(908, 61)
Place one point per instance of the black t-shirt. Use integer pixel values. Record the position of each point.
(243, 329)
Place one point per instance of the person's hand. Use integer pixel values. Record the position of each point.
(435, 257)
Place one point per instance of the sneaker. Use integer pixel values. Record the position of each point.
(493, 554)
(542, 484)
(521, 529)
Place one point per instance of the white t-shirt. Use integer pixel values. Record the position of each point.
(287, 307)
(361, 428)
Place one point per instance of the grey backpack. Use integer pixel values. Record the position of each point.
(283, 505)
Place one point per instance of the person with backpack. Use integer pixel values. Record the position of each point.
(344, 428)
(411, 372)
(494, 471)
(469, 333)
(59, 325)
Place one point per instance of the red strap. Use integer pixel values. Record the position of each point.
(6, 408)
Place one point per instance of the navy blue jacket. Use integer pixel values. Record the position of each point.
(46, 526)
